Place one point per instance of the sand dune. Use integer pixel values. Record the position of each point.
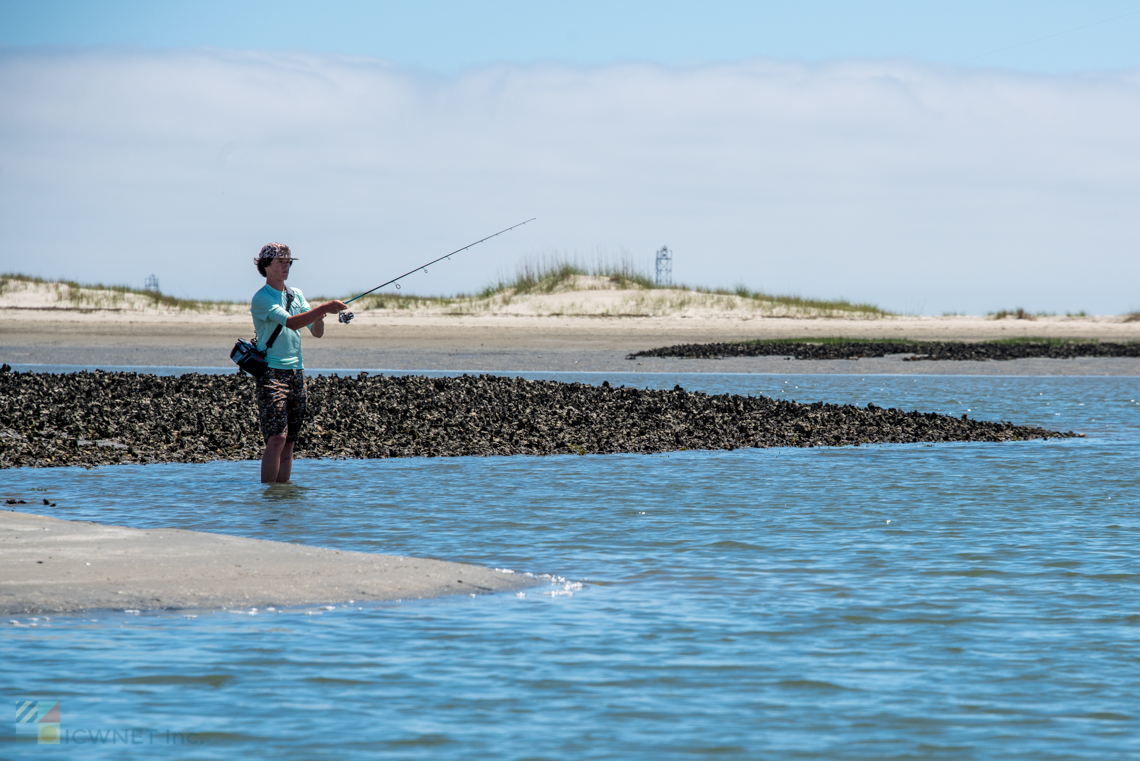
(588, 324)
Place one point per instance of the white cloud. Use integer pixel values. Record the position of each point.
(917, 187)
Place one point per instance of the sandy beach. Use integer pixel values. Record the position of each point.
(388, 341)
(585, 324)
(49, 565)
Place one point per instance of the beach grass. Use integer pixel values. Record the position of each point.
(99, 296)
(1018, 314)
(550, 273)
(397, 301)
(793, 301)
(536, 275)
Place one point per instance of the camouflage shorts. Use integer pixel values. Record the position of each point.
(282, 402)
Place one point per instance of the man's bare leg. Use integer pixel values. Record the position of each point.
(285, 466)
(271, 461)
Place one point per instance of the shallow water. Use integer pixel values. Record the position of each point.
(949, 601)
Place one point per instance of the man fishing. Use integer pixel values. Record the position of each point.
(279, 312)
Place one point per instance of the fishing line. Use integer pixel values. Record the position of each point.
(345, 317)
(1050, 36)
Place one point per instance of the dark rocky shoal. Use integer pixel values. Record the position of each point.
(102, 418)
(920, 350)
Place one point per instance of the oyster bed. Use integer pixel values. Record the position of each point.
(102, 418)
(921, 350)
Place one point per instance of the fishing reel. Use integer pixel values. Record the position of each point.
(345, 317)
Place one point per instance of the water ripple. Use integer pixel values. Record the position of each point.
(951, 601)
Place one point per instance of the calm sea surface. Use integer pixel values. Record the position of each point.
(952, 601)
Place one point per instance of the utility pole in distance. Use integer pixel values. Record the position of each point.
(664, 267)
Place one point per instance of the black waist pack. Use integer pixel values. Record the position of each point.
(248, 358)
(251, 359)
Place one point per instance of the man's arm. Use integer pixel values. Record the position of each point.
(298, 321)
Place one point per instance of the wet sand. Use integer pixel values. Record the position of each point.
(56, 566)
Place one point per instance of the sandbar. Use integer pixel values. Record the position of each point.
(48, 565)
(504, 343)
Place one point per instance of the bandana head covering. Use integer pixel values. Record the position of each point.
(274, 251)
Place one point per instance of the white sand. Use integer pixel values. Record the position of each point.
(41, 325)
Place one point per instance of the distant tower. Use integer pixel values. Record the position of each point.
(152, 283)
(664, 266)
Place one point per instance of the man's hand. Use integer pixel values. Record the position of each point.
(315, 317)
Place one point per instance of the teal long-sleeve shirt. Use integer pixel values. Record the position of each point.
(268, 310)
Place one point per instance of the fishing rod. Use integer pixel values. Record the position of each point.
(346, 317)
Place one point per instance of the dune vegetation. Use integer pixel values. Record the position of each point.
(551, 285)
(34, 292)
(558, 285)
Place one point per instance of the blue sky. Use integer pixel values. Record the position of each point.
(872, 151)
(447, 37)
